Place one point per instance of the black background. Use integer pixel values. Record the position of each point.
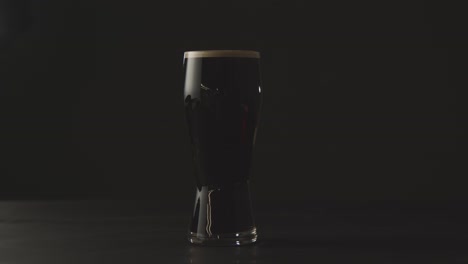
(362, 100)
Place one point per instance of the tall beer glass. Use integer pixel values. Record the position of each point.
(223, 95)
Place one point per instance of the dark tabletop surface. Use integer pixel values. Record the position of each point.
(149, 232)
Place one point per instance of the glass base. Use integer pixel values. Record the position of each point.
(223, 216)
(234, 239)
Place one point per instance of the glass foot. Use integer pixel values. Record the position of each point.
(234, 239)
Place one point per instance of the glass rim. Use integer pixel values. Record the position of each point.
(222, 54)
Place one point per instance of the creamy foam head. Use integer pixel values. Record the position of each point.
(222, 54)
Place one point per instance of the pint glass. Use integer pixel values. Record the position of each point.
(222, 96)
